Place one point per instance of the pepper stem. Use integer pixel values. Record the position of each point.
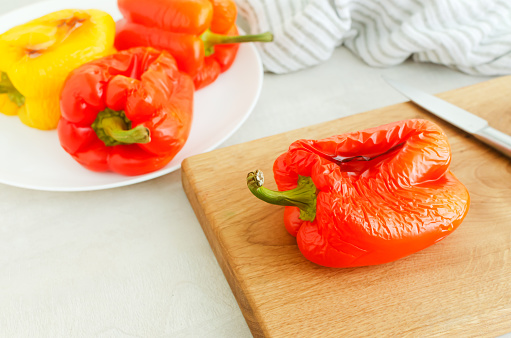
(303, 196)
(114, 128)
(6, 87)
(211, 39)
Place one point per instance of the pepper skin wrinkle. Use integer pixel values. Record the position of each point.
(392, 194)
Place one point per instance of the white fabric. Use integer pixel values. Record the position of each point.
(473, 36)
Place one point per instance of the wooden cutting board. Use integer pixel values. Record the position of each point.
(460, 286)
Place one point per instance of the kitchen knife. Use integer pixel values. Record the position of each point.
(456, 116)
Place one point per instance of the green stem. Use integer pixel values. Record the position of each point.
(6, 87)
(114, 128)
(211, 39)
(303, 196)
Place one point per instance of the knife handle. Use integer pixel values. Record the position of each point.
(496, 139)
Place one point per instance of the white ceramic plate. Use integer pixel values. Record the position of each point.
(34, 159)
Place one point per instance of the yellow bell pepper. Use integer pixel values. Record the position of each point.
(36, 57)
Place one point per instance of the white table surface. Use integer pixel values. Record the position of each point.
(133, 261)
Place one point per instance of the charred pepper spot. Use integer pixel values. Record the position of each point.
(33, 53)
(71, 23)
(65, 27)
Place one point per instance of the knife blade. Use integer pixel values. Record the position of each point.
(456, 116)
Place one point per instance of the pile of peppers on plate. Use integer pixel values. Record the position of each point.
(367, 197)
(120, 94)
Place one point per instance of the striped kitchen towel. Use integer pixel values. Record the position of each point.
(473, 36)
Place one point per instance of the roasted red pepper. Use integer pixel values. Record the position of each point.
(129, 112)
(367, 197)
(200, 34)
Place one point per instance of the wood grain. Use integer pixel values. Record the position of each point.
(460, 286)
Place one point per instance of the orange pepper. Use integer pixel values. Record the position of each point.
(367, 197)
(200, 34)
